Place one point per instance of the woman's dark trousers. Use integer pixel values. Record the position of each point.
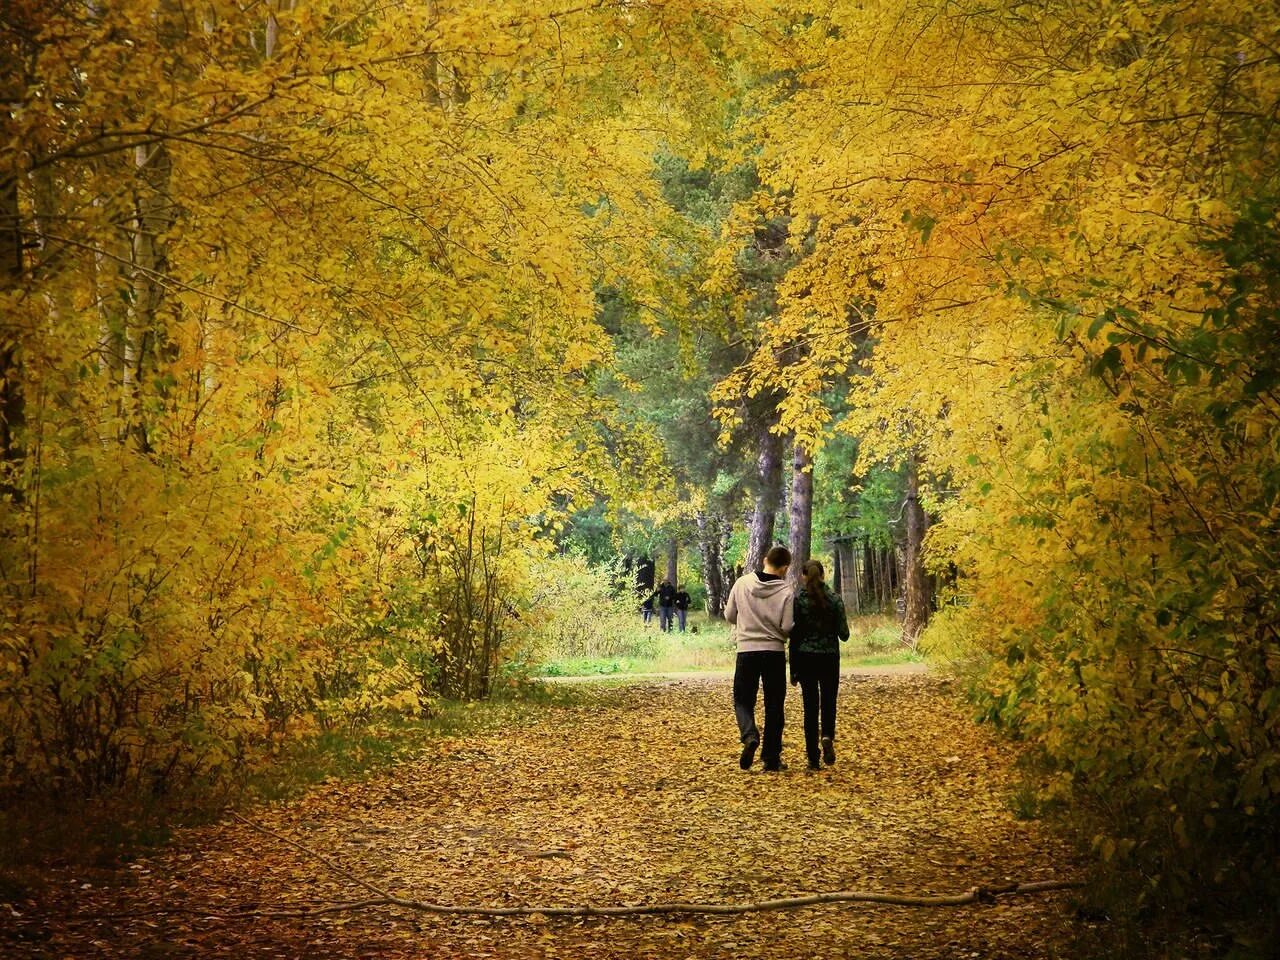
(819, 676)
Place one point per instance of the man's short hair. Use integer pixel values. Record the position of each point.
(778, 557)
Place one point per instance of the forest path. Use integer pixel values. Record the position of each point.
(632, 795)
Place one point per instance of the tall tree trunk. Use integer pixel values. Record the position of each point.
(673, 560)
(147, 343)
(872, 599)
(728, 571)
(12, 404)
(917, 584)
(801, 508)
(768, 496)
(431, 68)
(849, 576)
(710, 538)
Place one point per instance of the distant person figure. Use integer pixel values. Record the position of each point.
(646, 608)
(820, 625)
(760, 609)
(682, 606)
(666, 603)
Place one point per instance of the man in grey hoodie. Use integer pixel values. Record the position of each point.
(760, 609)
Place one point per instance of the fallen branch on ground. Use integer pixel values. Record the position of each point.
(385, 899)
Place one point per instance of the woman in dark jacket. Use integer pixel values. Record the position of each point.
(815, 659)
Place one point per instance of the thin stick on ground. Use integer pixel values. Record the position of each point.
(385, 899)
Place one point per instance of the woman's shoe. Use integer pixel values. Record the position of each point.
(828, 751)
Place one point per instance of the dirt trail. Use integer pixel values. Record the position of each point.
(633, 796)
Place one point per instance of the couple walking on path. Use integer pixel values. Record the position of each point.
(766, 610)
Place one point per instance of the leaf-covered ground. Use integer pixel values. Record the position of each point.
(633, 795)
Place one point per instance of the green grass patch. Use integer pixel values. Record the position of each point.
(706, 646)
(590, 667)
(880, 659)
(643, 648)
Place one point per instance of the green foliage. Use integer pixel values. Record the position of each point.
(636, 647)
(865, 508)
(877, 635)
(580, 611)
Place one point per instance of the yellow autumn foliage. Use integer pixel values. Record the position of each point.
(300, 330)
(299, 334)
(1044, 246)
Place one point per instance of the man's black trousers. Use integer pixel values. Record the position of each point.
(754, 669)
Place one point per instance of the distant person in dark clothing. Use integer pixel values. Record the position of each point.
(682, 606)
(666, 604)
(820, 625)
(646, 608)
(760, 609)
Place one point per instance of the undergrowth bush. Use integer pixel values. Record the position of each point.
(580, 611)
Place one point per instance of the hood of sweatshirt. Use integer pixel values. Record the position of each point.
(763, 589)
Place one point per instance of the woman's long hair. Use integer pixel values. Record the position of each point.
(811, 578)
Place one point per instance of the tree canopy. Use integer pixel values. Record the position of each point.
(322, 321)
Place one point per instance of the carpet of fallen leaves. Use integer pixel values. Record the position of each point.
(632, 795)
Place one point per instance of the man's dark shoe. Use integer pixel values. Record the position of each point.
(828, 751)
(748, 754)
(813, 765)
(773, 766)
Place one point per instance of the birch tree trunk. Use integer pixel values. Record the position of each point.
(801, 509)
(917, 585)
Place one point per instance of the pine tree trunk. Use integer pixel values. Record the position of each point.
(768, 496)
(917, 584)
(673, 561)
(801, 532)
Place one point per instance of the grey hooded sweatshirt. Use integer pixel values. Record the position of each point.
(761, 612)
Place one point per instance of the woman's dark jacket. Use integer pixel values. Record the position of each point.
(818, 629)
